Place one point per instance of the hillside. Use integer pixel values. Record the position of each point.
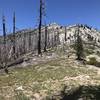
(26, 41)
(56, 74)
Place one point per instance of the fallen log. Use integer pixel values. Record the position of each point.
(15, 62)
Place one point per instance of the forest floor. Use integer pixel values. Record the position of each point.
(46, 77)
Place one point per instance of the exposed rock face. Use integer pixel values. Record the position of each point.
(26, 40)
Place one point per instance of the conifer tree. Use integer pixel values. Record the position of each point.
(79, 46)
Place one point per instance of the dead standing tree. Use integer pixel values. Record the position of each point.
(45, 46)
(4, 46)
(24, 43)
(41, 14)
(30, 43)
(14, 52)
(65, 34)
(40, 24)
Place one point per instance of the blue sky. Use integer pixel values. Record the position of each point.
(64, 12)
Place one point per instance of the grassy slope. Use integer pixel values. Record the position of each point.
(46, 78)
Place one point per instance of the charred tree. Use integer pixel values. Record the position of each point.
(45, 46)
(4, 46)
(58, 41)
(40, 24)
(52, 41)
(30, 44)
(48, 38)
(41, 14)
(14, 47)
(24, 43)
(65, 34)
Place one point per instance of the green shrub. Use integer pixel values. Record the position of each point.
(93, 61)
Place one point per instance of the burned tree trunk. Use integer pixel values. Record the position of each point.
(45, 47)
(24, 43)
(40, 24)
(65, 34)
(4, 46)
(30, 44)
(14, 52)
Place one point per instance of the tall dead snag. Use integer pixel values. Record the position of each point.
(65, 34)
(14, 52)
(40, 24)
(45, 46)
(4, 46)
(0, 55)
(30, 44)
(52, 38)
(41, 14)
(48, 42)
(24, 43)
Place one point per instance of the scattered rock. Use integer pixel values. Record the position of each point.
(37, 96)
(20, 88)
(24, 64)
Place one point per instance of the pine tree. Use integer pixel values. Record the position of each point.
(79, 47)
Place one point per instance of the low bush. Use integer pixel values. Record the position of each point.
(93, 61)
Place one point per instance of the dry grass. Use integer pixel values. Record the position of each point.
(45, 78)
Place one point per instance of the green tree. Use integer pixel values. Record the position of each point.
(79, 47)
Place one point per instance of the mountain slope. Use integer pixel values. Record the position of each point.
(56, 75)
(26, 41)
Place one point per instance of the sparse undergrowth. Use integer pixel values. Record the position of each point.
(45, 79)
